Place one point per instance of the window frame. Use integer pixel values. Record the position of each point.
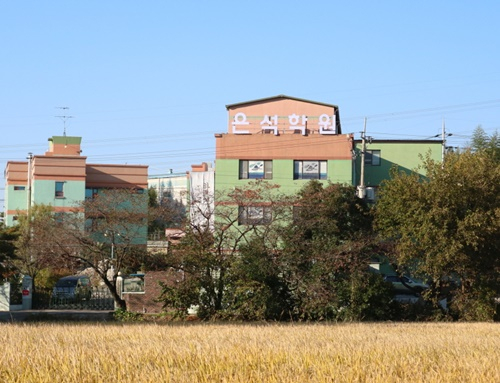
(59, 189)
(244, 172)
(299, 174)
(369, 156)
(264, 218)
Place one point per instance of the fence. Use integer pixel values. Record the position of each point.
(101, 299)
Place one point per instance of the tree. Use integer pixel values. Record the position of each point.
(277, 262)
(8, 236)
(447, 224)
(211, 247)
(35, 250)
(164, 213)
(326, 253)
(259, 291)
(482, 142)
(106, 233)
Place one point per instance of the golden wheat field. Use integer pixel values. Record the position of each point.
(396, 352)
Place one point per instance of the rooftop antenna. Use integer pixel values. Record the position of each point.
(64, 117)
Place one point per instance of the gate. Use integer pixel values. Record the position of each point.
(101, 299)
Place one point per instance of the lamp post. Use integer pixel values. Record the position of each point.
(111, 235)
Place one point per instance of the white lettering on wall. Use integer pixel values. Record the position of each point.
(294, 119)
(327, 125)
(240, 119)
(270, 123)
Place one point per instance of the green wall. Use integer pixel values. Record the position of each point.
(227, 175)
(16, 200)
(43, 192)
(406, 155)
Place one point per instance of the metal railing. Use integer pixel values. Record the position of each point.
(100, 299)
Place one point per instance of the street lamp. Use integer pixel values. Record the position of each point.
(111, 235)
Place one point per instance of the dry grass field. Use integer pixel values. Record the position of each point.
(399, 352)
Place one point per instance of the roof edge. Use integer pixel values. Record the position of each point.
(280, 96)
(405, 141)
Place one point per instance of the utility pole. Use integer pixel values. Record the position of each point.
(361, 187)
(28, 202)
(443, 138)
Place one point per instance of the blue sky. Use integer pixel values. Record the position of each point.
(146, 82)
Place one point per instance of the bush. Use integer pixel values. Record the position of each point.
(127, 316)
(366, 297)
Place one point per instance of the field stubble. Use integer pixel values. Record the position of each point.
(396, 352)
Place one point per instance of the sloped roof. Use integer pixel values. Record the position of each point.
(280, 96)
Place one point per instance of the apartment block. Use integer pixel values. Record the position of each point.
(62, 178)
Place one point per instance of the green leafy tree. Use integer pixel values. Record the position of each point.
(447, 225)
(211, 247)
(489, 144)
(35, 247)
(307, 263)
(327, 246)
(8, 237)
(259, 290)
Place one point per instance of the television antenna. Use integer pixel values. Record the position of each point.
(64, 117)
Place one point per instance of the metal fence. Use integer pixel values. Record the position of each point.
(101, 299)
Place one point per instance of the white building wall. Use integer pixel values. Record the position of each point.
(174, 186)
(202, 196)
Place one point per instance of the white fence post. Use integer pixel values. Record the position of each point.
(5, 297)
(27, 292)
(119, 286)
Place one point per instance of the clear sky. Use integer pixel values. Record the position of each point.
(146, 82)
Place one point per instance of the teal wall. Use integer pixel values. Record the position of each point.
(227, 175)
(135, 233)
(16, 200)
(43, 192)
(406, 155)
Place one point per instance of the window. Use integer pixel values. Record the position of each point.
(59, 189)
(309, 170)
(19, 187)
(256, 169)
(91, 193)
(372, 157)
(59, 217)
(134, 283)
(254, 215)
